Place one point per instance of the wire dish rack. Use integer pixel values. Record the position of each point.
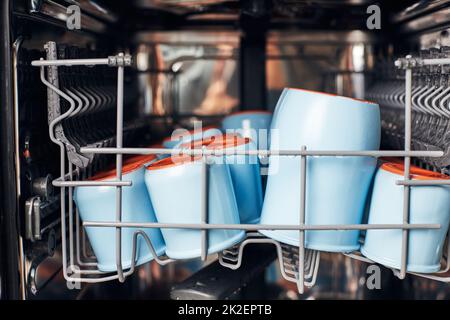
(297, 264)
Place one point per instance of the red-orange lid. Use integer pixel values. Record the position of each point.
(416, 172)
(190, 132)
(142, 158)
(172, 162)
(217, 142)
(391, 160)
(129, 165)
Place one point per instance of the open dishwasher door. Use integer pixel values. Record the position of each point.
(210, 150)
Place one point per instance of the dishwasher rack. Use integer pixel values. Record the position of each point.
(298, 264)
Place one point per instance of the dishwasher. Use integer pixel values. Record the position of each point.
(90, 88)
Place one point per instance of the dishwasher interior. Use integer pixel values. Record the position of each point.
(130, 73)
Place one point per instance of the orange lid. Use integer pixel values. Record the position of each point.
(334, 95)
(391, 160)
(190, 132)
(142, 158)
(217, 142)
(172, 162)
(416, 172)
(129, 165)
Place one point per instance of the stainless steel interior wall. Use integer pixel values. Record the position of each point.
(197, 73)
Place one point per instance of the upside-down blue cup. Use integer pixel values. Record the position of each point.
(244, 169)
(175, 185)
(253, 124)
(428, 205)
(337, 187)
(180, 136)
(99, 204)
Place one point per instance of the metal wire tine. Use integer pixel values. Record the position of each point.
(62, 163)
(83, 97)
(204, 205)
(309, 267)
(78, 99)
(443, 104)
(62, 116)
(79, 235)
(429, 101)
(71, 243)
(323, 153)
(288, 274)
(407, 163)
(301, 243)
(230, 226)
(309, 254)
(435, 61)
(70, 62)
(96, 280)
(415, 97)
(310, 272)
(423, 182)
(128, 272)
(311, 283)
(421, 98)
(241, 250)
(88, 183)
(290, 263)
(435, 102)
(293, 273)
(231, 259)
(150, 246)
(230, 252)
(119, 141)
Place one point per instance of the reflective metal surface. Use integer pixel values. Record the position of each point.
(334, 68)
(197, 73)
(51, 9)
(325, 37)
(180, 6)
(344, 278)
(95, 8)
(422, 15)
(192, 77)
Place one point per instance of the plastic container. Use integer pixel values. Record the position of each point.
(250, 124)
(174, 185)
(428, 204)
(337, 187)
(182, 136)
(245, 173)
(99, 204)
